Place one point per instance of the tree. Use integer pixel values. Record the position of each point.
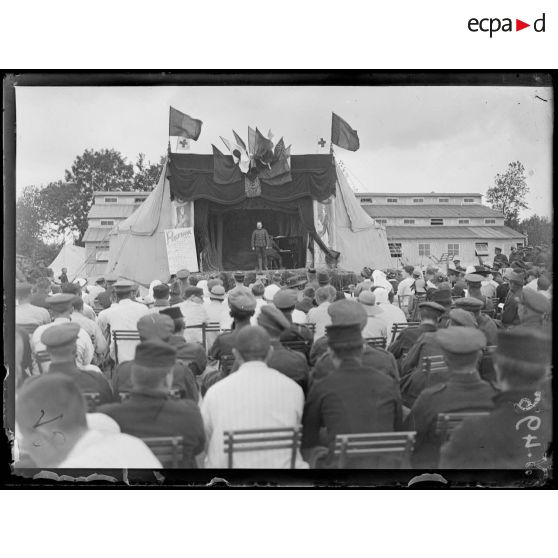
(146, 173)
(508, 193)
(538, 230)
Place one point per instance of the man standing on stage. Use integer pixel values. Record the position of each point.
(260, 242)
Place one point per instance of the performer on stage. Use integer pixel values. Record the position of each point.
(260, 241)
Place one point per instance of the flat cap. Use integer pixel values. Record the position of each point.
(155, 353)
(469, 303)
(441, 296)
(461, 317)
(192, 291)
(182, 274)
(273, 320)
(161, 291)
(217, 291)
(524, 344)
(242, 299)
(155, 326)
(123, 286)
(432, 305)
(60, 300)
(323, 277)
(285, 299)
(535, 301)
(474, 278)
(60, 334)
(344, 336)
(461, 340)
(347, 312)
(239, 277)
(174, 312)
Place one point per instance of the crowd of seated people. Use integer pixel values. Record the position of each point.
(413, 368)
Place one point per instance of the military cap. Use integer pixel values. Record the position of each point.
(100, 279)
(242, 299)
(182, 274)
(273, 320)
(462, 317)
(474, 278)
(535, 301)
(155, 326)
(285, 299)
(239, 277)
(111, 278)
(323, 278)
(124, 286)
(192, 291)
(155, 353)
(174, 312)
(462, 340)
(417, 273)
(217, 292)
(368, 299)
(60, 300)
(295, 281)
(344, 335)
(432, 305)
(469, 303)
(441, 296)
(524, 344)
(59, 335)
(347, 312)
(161, 291)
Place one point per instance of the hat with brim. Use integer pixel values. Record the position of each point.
(273, 320)
(461, 341)
(524, 344)
(432, 305)
(346, 336)
(182, 274)
(124, 286)
(368, 301)
(469, 303)
(285, 299)
(217, 292)
(60, 302)
(60, 335)
(192, 291)
(535, 301)
(460, 317)
(347, 312)
(295, 282)
(474, 278)
(155, 353)
(441, 296)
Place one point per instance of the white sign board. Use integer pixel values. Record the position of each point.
(181, 249)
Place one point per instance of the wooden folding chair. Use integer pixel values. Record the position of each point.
(398, 327)
(394, 444)
(211, 327)
(169, 450)
(265, 439)
(92, 399)
(377, 342)
(42, 358)
(446, 423)
(123, 335)
(296, 345)
(403, 300)
(225, 364)
(435, 369)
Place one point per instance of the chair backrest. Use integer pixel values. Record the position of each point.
(92, 399)
(226, 363)
(446, 423)
(403, 300)
(265, 439)
(169, 450)
(211, 327)
(398, 327)
(396, 444)
(296, 345)
(42, 358)
(435, 368)
(376, 342)
(123, 335)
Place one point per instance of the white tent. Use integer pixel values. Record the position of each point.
(72, 258)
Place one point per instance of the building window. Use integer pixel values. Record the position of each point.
(365, 200)
(468, 200)
(453, 249)
(424, 249)
(111, 200)
(443, 200)
(101, 253)
(418, 200)
(520, 244)
(490, 221)
(463, 221)
(392, 200)
(107, 222)
(139, 200)
(395, 249)
(408, 221)
(381, 221)
(481, 248)
(436, 221)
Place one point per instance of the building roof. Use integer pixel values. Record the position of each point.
(111, 211)
(418, 195)
(404, 233)
(430, 210)
(97, 234)
(137, 193)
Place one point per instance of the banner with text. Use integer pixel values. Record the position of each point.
(181, 249)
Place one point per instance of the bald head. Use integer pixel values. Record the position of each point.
(252, 343)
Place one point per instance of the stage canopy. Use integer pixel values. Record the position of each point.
(72, 258)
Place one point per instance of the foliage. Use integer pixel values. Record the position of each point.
(508, 193)
(146, 174)
(538, 230)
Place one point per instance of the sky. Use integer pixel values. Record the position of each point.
(413, 139)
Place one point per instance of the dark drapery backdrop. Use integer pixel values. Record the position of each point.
(191, 178)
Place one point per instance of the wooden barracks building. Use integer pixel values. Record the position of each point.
(422, 227)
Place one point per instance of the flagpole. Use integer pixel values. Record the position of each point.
(169, 147)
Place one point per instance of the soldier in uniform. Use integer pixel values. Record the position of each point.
(486, 324)
(474, 284)
(518, 432)
(261, 240)
(443, 298)
(106, 298)
(60, 342)
(532, 307)
(149, 411)
(352, 399)
(183, 275)
(509, 311)
(463, 391)
(500, 260)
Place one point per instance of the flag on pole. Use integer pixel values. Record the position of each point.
(251, 141)
(182, 145)
(342, 134)
(182, 130)
(239, 141)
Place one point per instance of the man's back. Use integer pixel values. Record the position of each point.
(254, 397)
(30, 314)
(407, 338)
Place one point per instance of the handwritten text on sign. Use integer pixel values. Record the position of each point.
(181, 249)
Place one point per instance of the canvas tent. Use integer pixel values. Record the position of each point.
(225, 214)
(72, 258)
